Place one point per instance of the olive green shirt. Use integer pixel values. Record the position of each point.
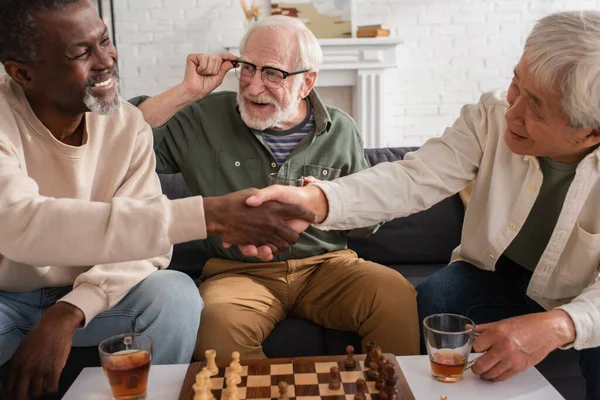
(531, 241)
(218, 154)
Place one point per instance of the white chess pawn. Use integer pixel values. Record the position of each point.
(237, 378)
(235, 362)
(211, 364)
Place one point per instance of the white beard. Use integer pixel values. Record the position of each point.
(279, 117)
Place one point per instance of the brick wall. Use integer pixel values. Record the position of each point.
(453, 51)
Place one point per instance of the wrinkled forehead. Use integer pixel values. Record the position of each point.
(270, 47)
(76, 23)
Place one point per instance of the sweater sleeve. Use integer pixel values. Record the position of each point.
(440, 168)
(40, 230)
(104, 285)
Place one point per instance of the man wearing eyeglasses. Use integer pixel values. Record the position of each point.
(223, 142)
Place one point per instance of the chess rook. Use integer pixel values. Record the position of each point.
(211, 364)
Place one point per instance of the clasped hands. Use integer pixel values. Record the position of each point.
(262, 222)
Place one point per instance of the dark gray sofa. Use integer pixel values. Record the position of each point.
(415, 246)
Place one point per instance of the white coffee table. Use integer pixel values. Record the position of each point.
(165, 384)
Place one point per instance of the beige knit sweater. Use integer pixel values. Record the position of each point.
(91, 216)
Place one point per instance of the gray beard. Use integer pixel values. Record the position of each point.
(96, 106)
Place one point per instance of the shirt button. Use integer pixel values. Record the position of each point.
(512, 227)
(237, 163)
(527, 158)
(493, 257)
(273, 165)
(587, 343)
(324, 172)
(532, 188)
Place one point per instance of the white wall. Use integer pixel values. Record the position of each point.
(453, 51)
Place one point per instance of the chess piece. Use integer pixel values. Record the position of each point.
(390, 382)
(231, 391)
(350, 364)
(203, 385)
(283, 391)
(373, 371)
(370, 346)
(381, 371)
(211, 364)
(361, 388)
(237, 378)
(235, 363)
(335, 381)
(376, 354)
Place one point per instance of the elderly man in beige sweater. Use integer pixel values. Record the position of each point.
(86, 232)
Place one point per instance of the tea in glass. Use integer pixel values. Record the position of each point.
(126, 361)
(448, 338)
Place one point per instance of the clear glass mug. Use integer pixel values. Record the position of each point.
(448, 338)
(126, 362)
(291, 181)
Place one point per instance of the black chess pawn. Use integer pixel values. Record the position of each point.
(361, 388)
(350, 363)
(335, 381)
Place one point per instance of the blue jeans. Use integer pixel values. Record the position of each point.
(486, 296)
(166, 306)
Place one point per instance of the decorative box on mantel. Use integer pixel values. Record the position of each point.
(359, 64)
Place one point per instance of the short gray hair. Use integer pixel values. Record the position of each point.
(563, 51)
(310, 55)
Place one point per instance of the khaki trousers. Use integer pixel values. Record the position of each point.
(338, 290)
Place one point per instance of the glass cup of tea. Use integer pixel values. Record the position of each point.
(448, 338)
(289, 181)
(126, 362)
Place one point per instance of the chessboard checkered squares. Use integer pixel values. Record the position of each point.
(325, 391)
(282, 369)
(259, 381)
(306, 379)
(322, 367)
(351, 376)
(275, 391)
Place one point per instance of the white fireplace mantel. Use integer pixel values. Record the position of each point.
(359, 63)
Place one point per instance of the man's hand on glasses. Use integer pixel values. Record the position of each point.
(205, 72)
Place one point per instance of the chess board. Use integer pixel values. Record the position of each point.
(307, 379)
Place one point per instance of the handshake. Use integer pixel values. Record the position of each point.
(264, 222)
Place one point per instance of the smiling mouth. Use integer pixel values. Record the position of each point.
(103, 84)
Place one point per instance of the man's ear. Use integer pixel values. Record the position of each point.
(21, 73)
(593, 138)
(310, 78)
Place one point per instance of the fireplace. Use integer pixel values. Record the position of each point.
(352, 67)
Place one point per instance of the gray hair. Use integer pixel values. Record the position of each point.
(310, 55)
(563, 51)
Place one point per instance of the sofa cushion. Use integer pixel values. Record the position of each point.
(427, 237)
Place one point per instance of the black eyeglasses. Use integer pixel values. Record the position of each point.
(271, 76)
